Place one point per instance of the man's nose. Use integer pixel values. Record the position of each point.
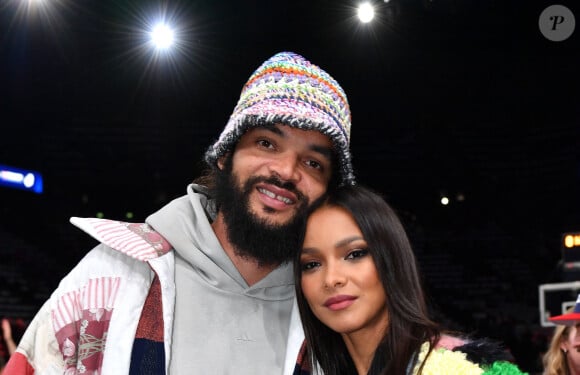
(286, 167)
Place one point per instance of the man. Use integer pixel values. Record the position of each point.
(205, 285)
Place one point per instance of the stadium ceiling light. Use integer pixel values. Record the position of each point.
(162, 36)
(366, 12)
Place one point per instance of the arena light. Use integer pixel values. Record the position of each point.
(18, 178)
(47, 13)
(157, 40)
(366, 12)
(571, 240)
(571, 254)
(162, 36)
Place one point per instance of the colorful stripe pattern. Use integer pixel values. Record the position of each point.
(81, 321)
(137, 240)
(148, 354)
(81, 317)
(290, 90)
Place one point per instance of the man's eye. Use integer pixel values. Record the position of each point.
(265, 143)
(358, 253)
(314, 164)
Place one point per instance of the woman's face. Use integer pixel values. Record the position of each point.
(571, 346)
(339, 277)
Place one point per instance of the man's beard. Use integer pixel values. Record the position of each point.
(252, 236)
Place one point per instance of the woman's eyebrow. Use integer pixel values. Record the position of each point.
(348, 240)
(341, 243)
(309, 250)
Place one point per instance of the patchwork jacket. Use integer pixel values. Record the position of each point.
(113, 313)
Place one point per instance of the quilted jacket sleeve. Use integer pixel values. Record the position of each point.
(38, 351)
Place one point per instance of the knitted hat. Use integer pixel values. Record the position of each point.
(288, 89)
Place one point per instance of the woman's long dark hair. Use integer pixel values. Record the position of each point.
(409, 325)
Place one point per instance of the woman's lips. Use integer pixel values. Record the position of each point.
(339, 302)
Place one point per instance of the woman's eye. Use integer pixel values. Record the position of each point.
(307, 266)
(358, 253)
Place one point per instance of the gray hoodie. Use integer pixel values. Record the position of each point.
(221, 325)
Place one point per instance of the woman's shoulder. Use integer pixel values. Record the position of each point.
(479, 350)
(467, 355)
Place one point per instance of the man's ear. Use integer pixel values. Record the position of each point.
(221, 160)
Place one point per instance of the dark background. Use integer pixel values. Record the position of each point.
(463, 98)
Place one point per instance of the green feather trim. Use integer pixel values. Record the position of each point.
(503, 368)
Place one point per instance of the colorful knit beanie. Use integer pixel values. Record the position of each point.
(288, 89)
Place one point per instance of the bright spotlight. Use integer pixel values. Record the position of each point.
(444, 201)
(17, 178)
(44, 12)
(162, 36)
(36, 3)
(366, 12)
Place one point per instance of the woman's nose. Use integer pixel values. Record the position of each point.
(334, 277)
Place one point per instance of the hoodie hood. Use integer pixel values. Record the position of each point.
(186, 224)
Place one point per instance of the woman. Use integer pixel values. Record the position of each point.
(361, 302)
(563, 355)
